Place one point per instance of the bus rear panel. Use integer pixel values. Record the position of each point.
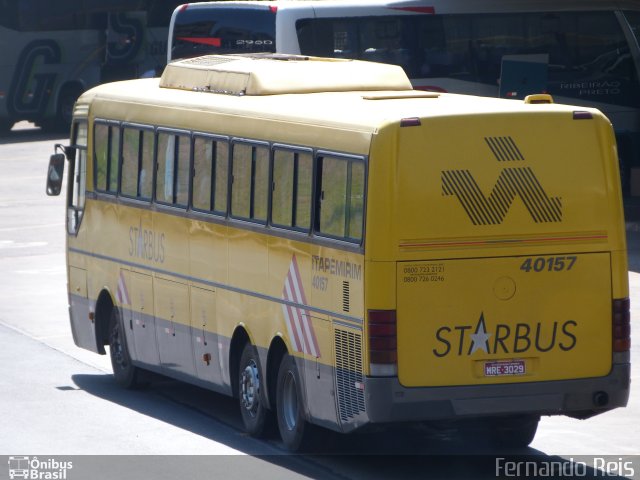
(507, 259)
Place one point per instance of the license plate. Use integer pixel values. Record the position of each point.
(502, 369)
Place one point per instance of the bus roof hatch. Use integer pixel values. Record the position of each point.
(273, 74)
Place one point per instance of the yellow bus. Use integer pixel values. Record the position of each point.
(337, 250)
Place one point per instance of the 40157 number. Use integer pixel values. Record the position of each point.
(320, 283)
(548, 264)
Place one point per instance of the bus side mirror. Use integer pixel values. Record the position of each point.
(55, 174)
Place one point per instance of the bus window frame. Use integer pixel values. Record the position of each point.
(213, 138)
(176, 132)
(141, 130)
(74, 151)
(258, 144)
(108, 124)
(312, 234)
(293, 149)
(350, 159)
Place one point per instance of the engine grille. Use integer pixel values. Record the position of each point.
(349, 378)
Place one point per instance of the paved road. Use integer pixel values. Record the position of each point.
(56, 399)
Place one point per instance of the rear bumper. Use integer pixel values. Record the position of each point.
(388, 401)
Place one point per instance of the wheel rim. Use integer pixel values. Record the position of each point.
(289, 401)
(250, 388)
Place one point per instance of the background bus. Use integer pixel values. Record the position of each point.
(582, 52)
(53, 50)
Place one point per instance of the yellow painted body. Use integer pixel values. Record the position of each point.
(493, 228)
(454, 244)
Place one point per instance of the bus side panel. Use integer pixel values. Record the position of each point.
(205, 340)
(307, 334)
(208, 257)
(173, 329)
(83, 330)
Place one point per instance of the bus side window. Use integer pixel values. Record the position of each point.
(183, 170)
(203, 159)
(78, 177)
(172, 177)
(137, 163)
(101, 152)
(114, 158)
(221, 178)
(291, 200)
(106, 152)
(130, 161)
(316, 37)
(210, 174)
(356, 201)
(341, 198)
(250, 189)
(145, 180)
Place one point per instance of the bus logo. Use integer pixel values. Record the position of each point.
(28, 467)
(18, 467)
(513, 182)
(33, 80)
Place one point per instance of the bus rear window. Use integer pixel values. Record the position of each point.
(223, 30)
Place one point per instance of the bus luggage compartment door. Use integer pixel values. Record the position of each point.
(504, 320)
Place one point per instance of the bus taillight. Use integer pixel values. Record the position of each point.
(383, 343)
(621, 325)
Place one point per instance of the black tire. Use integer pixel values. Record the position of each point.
(5, 126)
(252, 394)
(298, 435)
(66, 103)
(126, 374)
(61, 122)
(515, 432)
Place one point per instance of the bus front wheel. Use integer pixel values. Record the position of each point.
(297, 434)
(253, 407)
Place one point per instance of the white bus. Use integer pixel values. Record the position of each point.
(582, 52)
(53, 50)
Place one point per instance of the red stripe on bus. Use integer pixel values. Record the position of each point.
(498, 242)
(214, 42)
(428, 10)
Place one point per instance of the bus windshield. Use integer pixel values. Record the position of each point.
(198, 31)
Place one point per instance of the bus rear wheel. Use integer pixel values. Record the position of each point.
(297, 434)
(124, 372)
(517, 431)
(251, 395)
